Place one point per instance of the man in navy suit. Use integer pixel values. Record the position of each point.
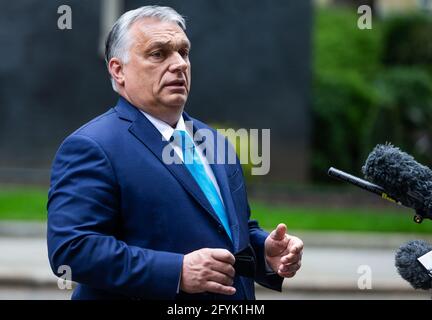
(131, 226)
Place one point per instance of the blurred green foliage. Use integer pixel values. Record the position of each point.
(23, 203)
(369, 87)
(404, 115)
(337, 219)
(408, 40)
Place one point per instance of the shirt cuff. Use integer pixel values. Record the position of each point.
(178, 285)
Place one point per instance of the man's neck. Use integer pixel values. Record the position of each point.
(169, 115)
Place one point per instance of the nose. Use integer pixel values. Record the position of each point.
(178, 63)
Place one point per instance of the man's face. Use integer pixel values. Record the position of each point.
(157, 74)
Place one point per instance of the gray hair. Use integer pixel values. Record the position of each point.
(118, 42)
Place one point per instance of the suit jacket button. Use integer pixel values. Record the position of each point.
(220, 228)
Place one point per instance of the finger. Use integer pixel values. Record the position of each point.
(223, 255)
(290, 268)
(223, 267)
(286, 274)
(220, 278)
(291, 258)
(296, 249)
(279, 233)
(278, 247)
(295, 245)
(215, 287)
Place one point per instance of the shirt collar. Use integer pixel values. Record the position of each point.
(164, 128)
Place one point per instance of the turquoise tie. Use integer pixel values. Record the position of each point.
(195, 166)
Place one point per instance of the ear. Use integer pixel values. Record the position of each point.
(115, 68)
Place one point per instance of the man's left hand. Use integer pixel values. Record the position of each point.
(283, 252)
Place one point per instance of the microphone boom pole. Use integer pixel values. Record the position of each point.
(373, 188)
(363, 184)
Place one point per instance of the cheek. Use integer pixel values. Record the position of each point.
(140, 72)
(132, 74)
(157, 79)
(146, 79)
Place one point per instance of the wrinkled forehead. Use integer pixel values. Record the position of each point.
(147, 31)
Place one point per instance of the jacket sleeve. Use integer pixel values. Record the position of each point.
(83, 216)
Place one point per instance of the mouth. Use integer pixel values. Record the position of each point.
(176, 84)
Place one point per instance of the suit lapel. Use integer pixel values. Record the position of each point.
(146, 133)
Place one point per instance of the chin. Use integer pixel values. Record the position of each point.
(176, 102)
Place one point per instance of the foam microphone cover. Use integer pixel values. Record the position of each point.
(409, 267)
(400, 175)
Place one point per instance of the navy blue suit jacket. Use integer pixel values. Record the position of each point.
(123, 220)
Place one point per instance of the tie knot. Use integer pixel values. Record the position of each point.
(183, 139)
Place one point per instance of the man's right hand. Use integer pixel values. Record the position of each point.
(208, 270)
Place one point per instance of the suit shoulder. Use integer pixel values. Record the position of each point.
(100, 131)
(104, 127)
(107, 119)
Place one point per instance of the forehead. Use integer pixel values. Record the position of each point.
(149, 30)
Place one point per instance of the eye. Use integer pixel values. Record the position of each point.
(184, 53)
(158, 54)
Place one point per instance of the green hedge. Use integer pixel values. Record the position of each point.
(365, 91)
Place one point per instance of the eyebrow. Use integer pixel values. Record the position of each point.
(164, 44)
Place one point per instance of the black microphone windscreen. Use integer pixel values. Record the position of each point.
(409, 267)
(400, 175)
